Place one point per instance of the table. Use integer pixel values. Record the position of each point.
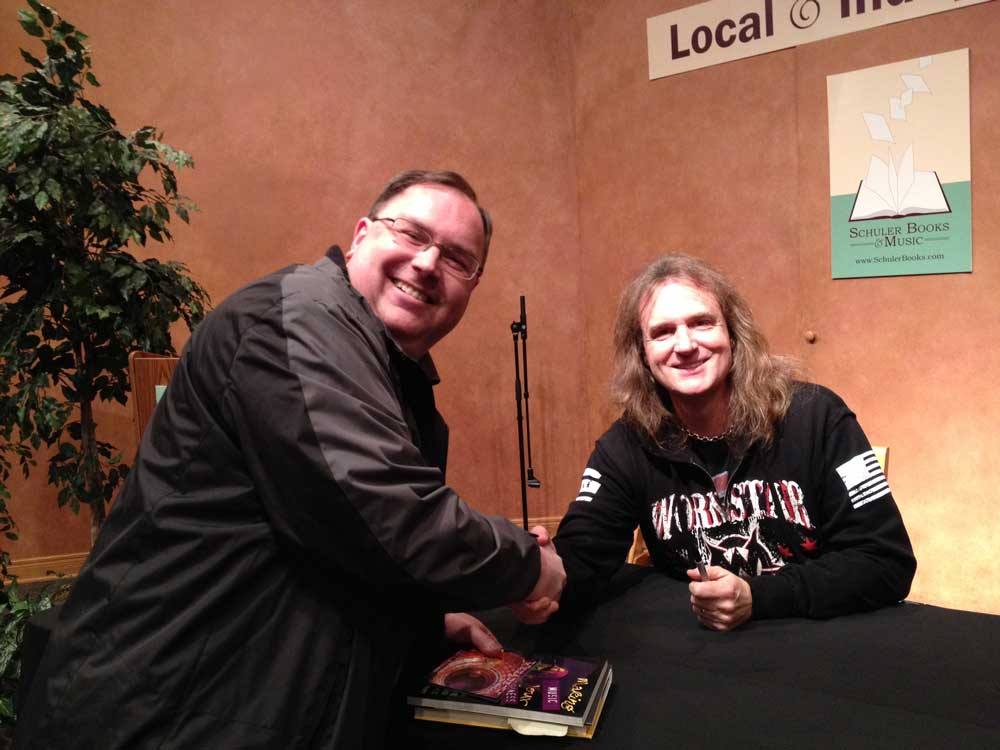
(908, 676)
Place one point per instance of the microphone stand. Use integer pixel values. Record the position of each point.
(519, 330)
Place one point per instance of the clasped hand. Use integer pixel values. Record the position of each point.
(723, 602)
(541, 604)
(543, 601)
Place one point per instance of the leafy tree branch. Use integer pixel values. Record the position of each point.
(76, 194)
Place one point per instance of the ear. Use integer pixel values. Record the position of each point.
(360, 232)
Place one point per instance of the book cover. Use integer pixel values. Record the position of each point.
(476, 673)
(548, 689)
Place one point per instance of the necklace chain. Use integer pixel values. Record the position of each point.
(705, 438)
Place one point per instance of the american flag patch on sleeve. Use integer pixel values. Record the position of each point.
(864, 479)
(589, 486)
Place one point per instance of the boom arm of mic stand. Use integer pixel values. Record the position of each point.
(533, 481)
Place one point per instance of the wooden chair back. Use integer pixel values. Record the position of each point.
(147, 371)
(882, 454)
(639, 555)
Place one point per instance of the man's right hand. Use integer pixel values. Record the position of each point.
(543, 601)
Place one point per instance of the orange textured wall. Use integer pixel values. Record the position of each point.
(296, 114)
(731, 162)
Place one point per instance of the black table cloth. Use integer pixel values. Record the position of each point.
(908, 676)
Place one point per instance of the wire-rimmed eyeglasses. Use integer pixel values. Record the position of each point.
(412, 236)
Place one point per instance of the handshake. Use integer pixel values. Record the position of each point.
(541, 604)
(543, 601)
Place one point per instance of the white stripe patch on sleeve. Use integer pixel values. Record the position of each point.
(589, 486)
(864, 479)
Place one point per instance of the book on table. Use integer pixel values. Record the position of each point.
(551, 695)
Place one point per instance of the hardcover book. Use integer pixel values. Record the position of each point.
(535, 695)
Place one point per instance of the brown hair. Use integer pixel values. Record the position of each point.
(454, 180)
(761, 383)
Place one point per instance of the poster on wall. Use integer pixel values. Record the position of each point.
(900, 175)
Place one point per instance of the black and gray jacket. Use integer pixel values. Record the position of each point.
(284, 540)
(809, 520)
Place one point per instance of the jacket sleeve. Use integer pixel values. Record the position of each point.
(313, 402)
(865, 559)
(594, 536)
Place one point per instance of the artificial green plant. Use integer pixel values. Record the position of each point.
(75, 194)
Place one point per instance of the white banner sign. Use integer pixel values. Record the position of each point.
(718, 31)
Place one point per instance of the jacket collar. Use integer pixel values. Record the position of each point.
(335, 254)
(669, 444)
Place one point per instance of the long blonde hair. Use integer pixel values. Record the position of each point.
(761, 383)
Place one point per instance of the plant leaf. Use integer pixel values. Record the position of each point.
(29, 22)
(31, 59)
(43, 12)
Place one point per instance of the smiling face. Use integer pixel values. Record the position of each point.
(412, 294)
(687, 345)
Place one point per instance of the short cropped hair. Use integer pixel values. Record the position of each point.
(454, 180)
(761, 383)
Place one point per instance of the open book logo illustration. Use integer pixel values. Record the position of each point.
(891, 191)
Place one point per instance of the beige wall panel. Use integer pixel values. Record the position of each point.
(703, 162)
(731, 163)
(294, 117)
(296, 114)
(916, 356)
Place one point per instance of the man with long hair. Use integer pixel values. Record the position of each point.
(760, 490)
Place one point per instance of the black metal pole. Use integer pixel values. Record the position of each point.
(515, 329)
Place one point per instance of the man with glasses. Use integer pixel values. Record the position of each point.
(286, 539)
